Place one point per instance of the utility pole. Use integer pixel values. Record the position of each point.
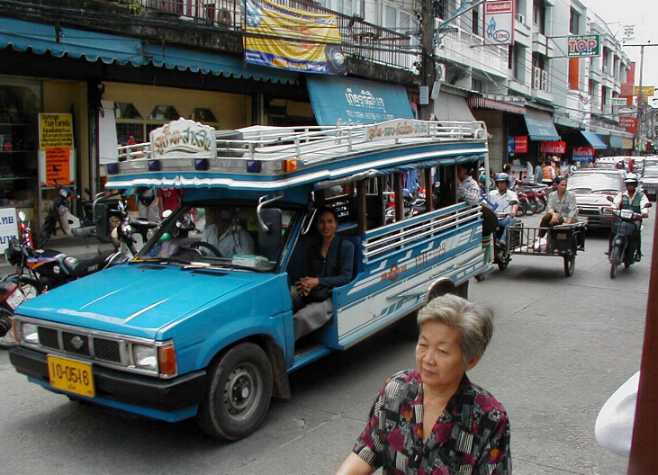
(428, 35)
(638, 131)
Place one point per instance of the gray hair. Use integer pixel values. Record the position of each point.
(474, 322)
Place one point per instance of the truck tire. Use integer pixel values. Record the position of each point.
(239, 393)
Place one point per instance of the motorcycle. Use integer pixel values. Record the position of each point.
(59, 214)
(502, 250)
(626, 225)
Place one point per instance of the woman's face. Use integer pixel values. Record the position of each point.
(562, 186)
(327, 225)
(439, 357)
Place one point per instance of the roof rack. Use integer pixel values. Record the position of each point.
(308, 145)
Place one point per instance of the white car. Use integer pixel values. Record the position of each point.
(649, 181)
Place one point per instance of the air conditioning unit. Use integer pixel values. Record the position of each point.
(520, 19)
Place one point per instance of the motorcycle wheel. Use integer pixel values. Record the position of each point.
(613, 270)
(569, 265)
(502, 264)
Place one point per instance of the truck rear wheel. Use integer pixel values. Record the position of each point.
(239, 393)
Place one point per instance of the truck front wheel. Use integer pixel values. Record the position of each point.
(239, 393)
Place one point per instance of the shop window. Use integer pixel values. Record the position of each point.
(164, 113)
(130, 133)
(206, 116)
(574, 22)
(125, 110)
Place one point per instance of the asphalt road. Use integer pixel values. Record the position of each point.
(561, 347)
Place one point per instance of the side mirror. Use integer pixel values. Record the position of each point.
(269, 240)
(648, 205)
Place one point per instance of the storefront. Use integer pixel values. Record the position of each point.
(43, 141)
(502, 114)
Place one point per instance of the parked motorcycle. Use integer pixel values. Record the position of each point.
(620, 252)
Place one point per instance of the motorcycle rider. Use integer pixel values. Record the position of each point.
(637, 202)
(505, 204)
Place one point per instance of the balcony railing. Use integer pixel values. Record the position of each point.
(360, 39)
(467, 48)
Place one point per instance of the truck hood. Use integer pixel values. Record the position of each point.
(137, 299)
(592, 199)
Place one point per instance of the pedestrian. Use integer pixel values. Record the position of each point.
(548, 173)
(169, 199)
(560, 208)
(432, 419)
(539, 174)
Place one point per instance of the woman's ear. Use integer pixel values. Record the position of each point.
(472, 363)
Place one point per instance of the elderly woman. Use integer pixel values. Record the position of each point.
(433, 420)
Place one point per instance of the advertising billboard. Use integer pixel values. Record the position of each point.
(283, 37)
(580, 46)
(499, 22)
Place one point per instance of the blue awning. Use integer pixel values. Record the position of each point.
(594, 140)
(356, 101)
(540, 126)
(616, 142)
(114, 49)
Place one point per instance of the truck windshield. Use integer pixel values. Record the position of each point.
(218, 235)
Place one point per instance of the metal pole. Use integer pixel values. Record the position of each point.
(638, 129)
(427, 73)
(643, 459)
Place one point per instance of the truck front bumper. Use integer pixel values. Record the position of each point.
(125, 389)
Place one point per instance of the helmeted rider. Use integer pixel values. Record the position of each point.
(504, 203)
(636, 201)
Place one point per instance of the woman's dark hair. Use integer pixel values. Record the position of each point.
(326, 209)
(559, 179)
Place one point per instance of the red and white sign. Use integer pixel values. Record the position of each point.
(521, 144)
(558, 146)
(499, 22)
(583, 154)
(628, 122)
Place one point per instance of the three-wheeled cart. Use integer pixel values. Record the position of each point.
(564, 241)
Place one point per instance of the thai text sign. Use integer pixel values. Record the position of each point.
(558, 146)
(628, 122)
(8, 227)
(645, 91)
(398, 128)
(499, 22)
(55, 130)
(584, 45)
(583, 154)
(58, 166)
(183, 138)
(279, 36)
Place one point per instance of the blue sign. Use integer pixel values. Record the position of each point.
(347, 101)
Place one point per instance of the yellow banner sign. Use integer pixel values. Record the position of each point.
(283, 37)
(645, 91)
(55, 130)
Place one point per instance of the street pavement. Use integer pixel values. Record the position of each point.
(561, 347)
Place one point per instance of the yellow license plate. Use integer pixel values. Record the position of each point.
(71, 376)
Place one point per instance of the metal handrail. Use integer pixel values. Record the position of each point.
(313, 145)
(396, 238)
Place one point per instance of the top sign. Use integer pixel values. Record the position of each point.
(584, 46)
(499, 22)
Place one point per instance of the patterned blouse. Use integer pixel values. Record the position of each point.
(472, 436)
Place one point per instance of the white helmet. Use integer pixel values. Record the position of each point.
(631, 178)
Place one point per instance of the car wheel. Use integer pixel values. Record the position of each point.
(238, 394)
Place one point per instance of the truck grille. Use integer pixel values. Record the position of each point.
(79, 343)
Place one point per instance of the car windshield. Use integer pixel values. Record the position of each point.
(219, 236)
(594, 183)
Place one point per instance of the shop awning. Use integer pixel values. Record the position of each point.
(451, 107)
(594, 140)
(540, 126)
(346, 101)
(115, 49)
(616, 141)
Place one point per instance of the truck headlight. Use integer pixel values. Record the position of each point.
(30, 333)
(606, 210)
(145, 356)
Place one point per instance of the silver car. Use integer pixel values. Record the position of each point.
(649, 181)
(591, 188)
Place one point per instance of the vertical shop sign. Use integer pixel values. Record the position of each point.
(56, 149)
(8, 227)
(499, 22)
